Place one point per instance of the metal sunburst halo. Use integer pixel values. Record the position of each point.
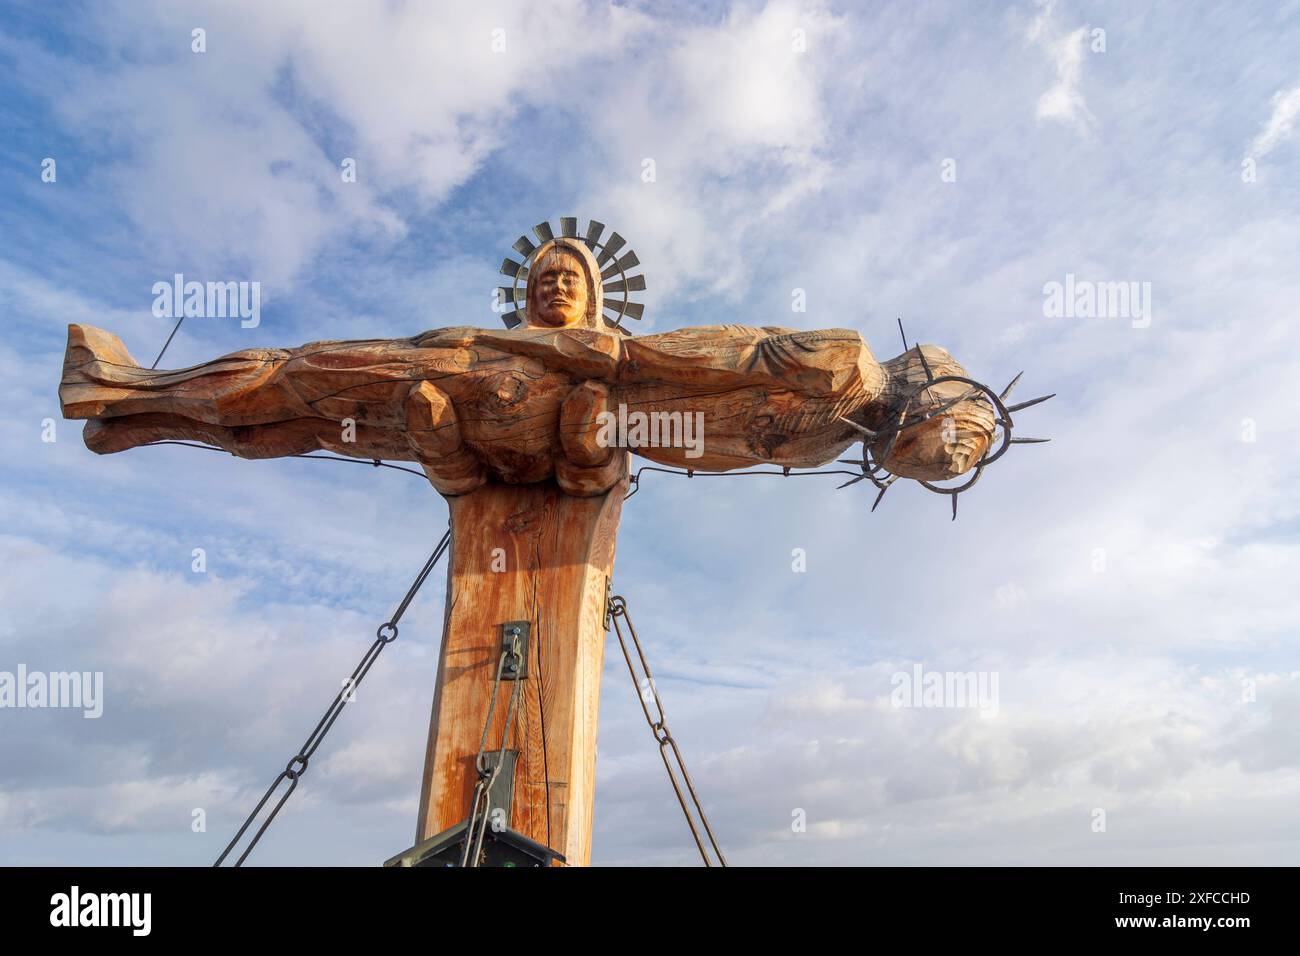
(616, 281)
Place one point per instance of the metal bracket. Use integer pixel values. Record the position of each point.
(502, 792)
(516, 666)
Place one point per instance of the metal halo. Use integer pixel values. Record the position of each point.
(615, 279)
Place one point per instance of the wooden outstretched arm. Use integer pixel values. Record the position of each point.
(472, 405)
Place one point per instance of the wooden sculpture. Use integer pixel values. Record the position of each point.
(524, 430)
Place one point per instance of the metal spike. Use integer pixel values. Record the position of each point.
(954, 506)
(625, 264)
(594, 229)
(524, 246)
(569, 227)
(513, 269)
(1029, 441)
(616, 242)
(862, 428)
(543, 231)
(902, 333)
(512, 319)
(630, 284)
(851, 461)
(929, 375)
(1032, 401)
(852, 481)
(1010, 385)
(947, 405)
(879, 496)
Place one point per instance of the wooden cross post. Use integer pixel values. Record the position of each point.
(538, 555)
(523, 431)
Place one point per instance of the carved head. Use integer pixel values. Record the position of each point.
(936, 423)
(950, 443)
(564, 287)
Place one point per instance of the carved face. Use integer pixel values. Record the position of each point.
(558, 292)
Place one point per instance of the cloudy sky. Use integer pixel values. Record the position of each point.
(1131, 584)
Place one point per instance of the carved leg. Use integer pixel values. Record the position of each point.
(299, 436)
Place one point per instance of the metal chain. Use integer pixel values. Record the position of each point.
(617, 608)
(481, 809)
(297, 766)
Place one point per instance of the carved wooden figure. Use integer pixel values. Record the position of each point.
(524, 431)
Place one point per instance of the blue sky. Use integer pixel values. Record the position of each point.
(1167, 157)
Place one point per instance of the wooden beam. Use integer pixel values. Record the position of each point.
(524, 553)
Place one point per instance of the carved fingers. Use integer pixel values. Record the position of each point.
(586, 466)
(585, 482)
(433, 434)
(580, 426)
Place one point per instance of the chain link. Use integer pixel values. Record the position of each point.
(617, 609)
(297, 765)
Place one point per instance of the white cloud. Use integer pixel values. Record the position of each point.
(1063, 102)
(158, 803)
(197, 714)
(233, 155)
(1280, 125)
(1133, 735)
(736, 121)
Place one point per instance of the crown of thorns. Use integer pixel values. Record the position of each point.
(873, 469)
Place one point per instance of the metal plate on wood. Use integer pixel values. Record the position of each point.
(516, 665)
(501, 795)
